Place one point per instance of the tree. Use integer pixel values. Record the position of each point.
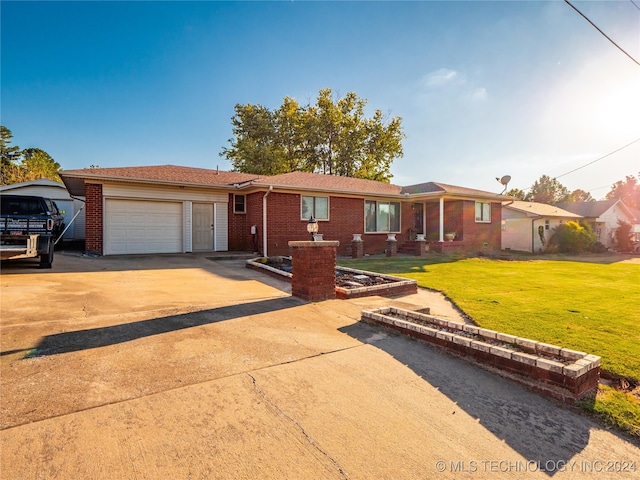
(623, 236)
(37, 163)
(24, 165)
(333, 137)
(516, 193)
(580, 196)
(9, 156)
(547, 190)
(628, 191)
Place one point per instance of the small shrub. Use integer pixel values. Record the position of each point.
(572, 237)
(598, 247)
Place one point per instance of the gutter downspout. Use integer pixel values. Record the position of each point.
(84, 204)
(441, 219)
(264, 221)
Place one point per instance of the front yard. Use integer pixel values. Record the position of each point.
(584, 305)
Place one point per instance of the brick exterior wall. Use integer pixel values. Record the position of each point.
(346, 217)
(94, 218)
(237, 228)
(460, 217)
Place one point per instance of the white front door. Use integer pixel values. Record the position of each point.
(202, 226)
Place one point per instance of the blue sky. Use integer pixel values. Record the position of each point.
(485, 89)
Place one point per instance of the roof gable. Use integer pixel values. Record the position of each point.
(589, 209)
(437, 188)
(41, 182)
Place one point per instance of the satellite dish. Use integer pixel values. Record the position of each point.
(504, 181)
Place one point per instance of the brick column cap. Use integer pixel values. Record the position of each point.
(310, 243)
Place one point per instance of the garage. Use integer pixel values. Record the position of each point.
(142, 226)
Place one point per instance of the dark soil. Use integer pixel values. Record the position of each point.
(343, 279)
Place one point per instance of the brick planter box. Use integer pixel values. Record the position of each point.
(559, 372)
(398, 286)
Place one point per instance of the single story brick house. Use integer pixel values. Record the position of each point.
(528, 226)
(174, 209)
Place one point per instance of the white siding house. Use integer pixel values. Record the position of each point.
(528, 226)
(603, 217)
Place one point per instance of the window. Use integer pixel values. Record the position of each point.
(483, 212)
(239, 204)
(317, 207)
(381, 217)
(546, 224)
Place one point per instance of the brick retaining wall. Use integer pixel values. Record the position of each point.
(559, 372)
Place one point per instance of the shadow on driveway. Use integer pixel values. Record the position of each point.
(103, 336)
(538, 428)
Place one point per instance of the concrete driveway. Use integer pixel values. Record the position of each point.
(181, 367)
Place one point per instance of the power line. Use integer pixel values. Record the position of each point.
(634, 4)
(604, 34)
(598, 159)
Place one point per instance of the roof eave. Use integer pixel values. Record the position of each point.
(152, 181)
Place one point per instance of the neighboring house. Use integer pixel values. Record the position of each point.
(172, 209)
(603, 216)
(528, 226)
(57, 192)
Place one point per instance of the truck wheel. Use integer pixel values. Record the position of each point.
(47, 259)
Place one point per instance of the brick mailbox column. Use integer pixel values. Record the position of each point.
(313, 270)
(392, 246)
(357, 246)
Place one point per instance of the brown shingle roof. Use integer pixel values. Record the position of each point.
(173, 174)
(589, 209)
(541, 209)
(444, 189)
(330, 182)
(168, 173)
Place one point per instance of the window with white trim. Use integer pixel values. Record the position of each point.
(483, 212)
(318, 207)
(382, 217)
(239, 203)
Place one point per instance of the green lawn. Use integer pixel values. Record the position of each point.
(586, 306)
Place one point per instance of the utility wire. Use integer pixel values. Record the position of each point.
(604, 34)
(598, 159)
(634, 4)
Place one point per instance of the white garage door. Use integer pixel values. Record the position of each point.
(137, 226)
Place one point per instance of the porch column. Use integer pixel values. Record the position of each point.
(441, 219)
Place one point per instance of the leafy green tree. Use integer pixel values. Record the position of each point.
(333, 136)
(547, 190)
(628, 191)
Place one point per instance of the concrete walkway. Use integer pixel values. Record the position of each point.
(180, 367)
